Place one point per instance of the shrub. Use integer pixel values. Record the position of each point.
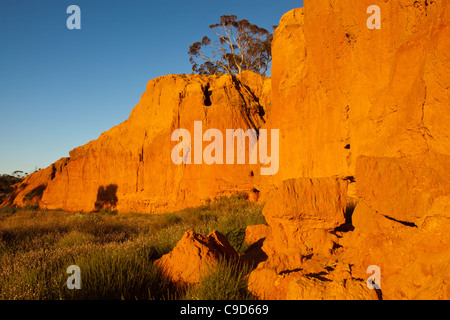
(8, 210)
(120, 274)
(75, 238)
(109, 212)
(32, 207)
(225, 280)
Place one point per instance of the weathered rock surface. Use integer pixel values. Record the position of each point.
(368, 106)
(404, 189)
(194, 254)
(129, 168)
(302, 213)
(253, 234)
(341, 90)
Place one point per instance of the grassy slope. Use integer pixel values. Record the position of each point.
(115, 252)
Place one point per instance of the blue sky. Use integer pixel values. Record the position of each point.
(61, 88)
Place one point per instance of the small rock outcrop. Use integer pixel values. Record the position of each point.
(193, 254)
(302, 247)
(303, 212)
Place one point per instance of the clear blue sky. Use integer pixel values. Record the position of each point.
(61, 88)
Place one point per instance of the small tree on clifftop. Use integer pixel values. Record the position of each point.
(240, 46)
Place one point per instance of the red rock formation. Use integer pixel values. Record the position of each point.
(193, 254)
(369, 106)
(401, 224)
(303, 211)
(341, 90)
(129, 168)
(404, 189)
(304, 216)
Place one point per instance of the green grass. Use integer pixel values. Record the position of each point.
(226, 280)
(125, 273)
(116, 251)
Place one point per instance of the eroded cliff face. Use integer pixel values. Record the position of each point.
(129, 168)
(369, 107)
(341, 90)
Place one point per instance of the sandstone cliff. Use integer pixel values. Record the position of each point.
(341, 90)
(369, 107)
(129, 168)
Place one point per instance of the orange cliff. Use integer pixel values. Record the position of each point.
(129, 167)
(341, 90)
(367, 108)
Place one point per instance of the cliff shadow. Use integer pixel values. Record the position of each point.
(35, 195)
(106, 197)
(254, 255)
(348, 214)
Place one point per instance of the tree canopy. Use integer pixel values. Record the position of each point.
(240, 46)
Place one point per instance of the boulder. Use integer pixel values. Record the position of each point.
(193, 255)
(312, 282)
(302, 213)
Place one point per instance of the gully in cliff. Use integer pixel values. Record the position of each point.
(213, 153)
